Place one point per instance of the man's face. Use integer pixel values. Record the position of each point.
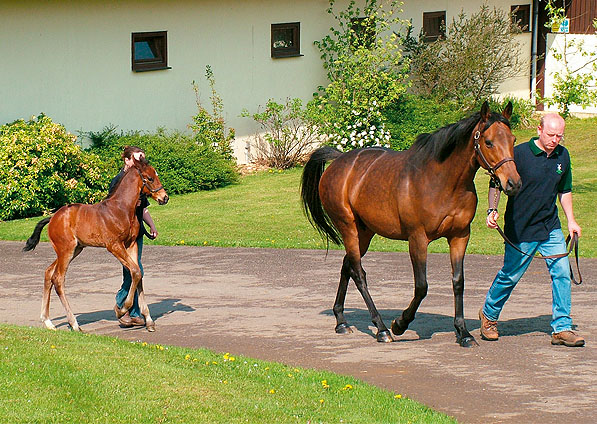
(551, 133)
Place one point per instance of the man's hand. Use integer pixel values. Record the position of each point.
(492, 219)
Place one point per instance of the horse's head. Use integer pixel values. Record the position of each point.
(151, 182)
(494, 147)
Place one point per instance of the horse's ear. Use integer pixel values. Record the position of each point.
(507, 113)
(485, 111)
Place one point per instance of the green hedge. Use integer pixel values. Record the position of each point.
(41, 168)
(183, 163)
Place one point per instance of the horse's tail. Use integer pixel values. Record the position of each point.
(34, 239)
(312, 206)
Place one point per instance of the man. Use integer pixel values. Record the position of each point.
(531, 222)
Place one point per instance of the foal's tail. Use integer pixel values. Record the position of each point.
(34, 239)
(310, 193)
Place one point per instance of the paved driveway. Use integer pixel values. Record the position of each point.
(276, 305)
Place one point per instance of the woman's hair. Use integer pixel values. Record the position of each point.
(130, 150)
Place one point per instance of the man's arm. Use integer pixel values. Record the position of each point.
(566, 202)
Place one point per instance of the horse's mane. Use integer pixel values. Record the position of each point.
(440, 144)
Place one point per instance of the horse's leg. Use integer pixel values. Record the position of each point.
(457, 250)
(417, 247)
(342, 326)
(351, 235)
(130, 262)
(45, 302)
(64, 259)
(149, 324)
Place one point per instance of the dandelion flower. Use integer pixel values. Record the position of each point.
(187, 357)
(272, 391)
(398, 396)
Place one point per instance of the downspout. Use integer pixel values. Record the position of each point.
(535, 37)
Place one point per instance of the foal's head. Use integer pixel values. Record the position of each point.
(494, 144)
(151, 182)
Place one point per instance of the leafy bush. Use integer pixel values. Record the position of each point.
(366, 70)
(41, 168)
(210, 127)
(184, 164)
(522, 112)
(287, 133)
(412, 115)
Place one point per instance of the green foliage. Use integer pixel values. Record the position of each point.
(522, 110)
(469, 64)
(572, 85)
(287, 133)
(210, 127)
(41, 168)
(183, 164)
(412, 115)
(367, 73)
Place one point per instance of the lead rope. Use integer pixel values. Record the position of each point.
(573, 245)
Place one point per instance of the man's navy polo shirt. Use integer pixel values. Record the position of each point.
(532, 214)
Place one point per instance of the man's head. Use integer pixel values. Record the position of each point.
(550, 131)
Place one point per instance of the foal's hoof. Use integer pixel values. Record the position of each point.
(468, 341)
(397, 329)
(384, 337)
(150, 327)
(343, 328)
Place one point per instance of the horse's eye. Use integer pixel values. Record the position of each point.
(488, 143)
(150, 179)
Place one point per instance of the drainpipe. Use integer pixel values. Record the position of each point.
(535, 37)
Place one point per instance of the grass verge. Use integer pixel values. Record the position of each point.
(62, 377)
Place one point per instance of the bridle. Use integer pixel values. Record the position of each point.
(144, 180)
(490, 169)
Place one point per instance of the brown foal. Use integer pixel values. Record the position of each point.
(419, 195)
(110, 223)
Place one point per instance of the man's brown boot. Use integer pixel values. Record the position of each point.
(489, 329)
(567, 338)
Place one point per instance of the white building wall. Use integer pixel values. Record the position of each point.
(556, 43)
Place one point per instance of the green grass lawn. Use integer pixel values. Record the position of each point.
(67, 377)
(264, 210)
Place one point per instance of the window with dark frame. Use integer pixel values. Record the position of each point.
(521, 15)
(149, 51)
(285, 41)
(434, 26)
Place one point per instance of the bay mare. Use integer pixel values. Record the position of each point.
(112, 224)
(419, 195)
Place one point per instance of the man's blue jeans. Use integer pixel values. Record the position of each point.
(515, 265)
(126, 284)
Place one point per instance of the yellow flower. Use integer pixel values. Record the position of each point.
(272, 391)
(321, 401)
(289, 375)
(347, 387)
(144, 344)
(398, 396)
(205, 243)
(187, 357)
(325, 385)
(232, 358)
(52, 347)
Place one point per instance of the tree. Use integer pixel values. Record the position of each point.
(469, 64)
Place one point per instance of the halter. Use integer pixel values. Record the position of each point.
(490, 169)
(147, 185)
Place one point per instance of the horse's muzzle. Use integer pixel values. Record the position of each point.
(164, 200)
(512, 187)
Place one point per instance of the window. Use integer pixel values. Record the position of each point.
(434, 25)
(363, 32)
(149, 51)
(286, 40)
(520, 15)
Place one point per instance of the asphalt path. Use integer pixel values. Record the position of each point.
(276, 305)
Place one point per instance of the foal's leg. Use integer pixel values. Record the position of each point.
(149, 324)
(457, 250)
(130, 262)
(45, 302)
(64, 259)
(356, 241)
(417, 247)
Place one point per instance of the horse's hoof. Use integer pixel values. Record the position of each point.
(384, 337)
(343, 328)
(468, 341)
(397, 329)
(150, 327)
